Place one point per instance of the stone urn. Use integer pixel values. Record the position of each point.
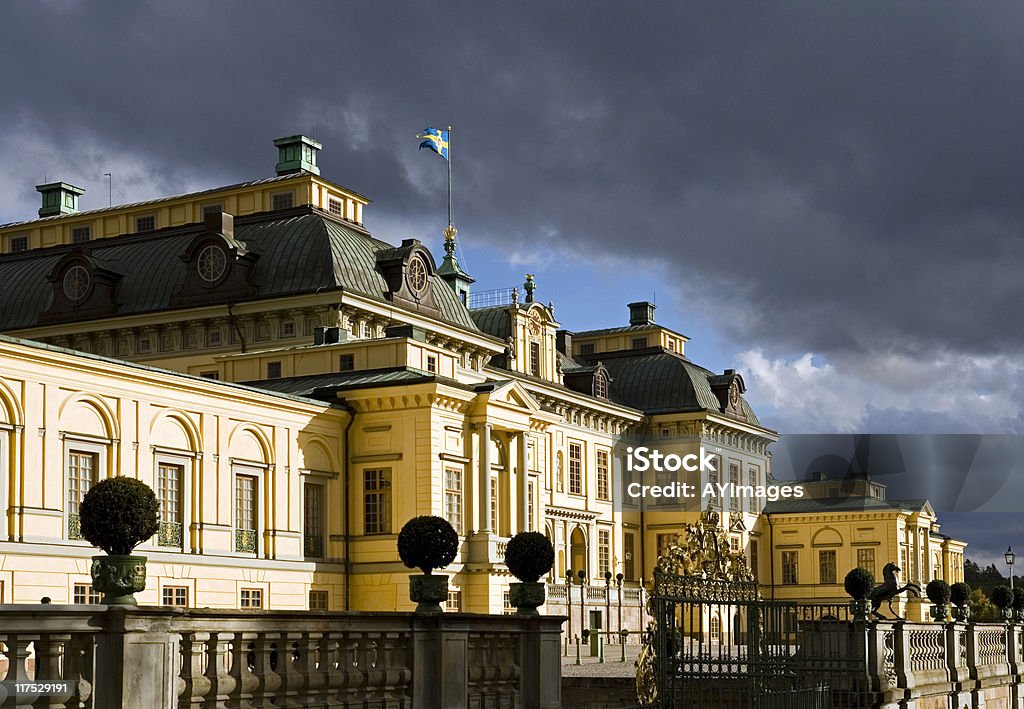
(859, 608)
(119, 578)
(940, 612)
(962, 614)
(527, 597)
(429, 591)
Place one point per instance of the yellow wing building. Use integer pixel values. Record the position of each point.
(295, 389)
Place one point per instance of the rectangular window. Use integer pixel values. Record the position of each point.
(318, 601)
(826, 566)
(210, 375)
(671, 345)
(174, 596)
(367, 330)
(628, 549)
(145, 345)
(209, 209)
(753, 478)
(453, 498)
(346, 362)
(334, 206)
(283, 200)
(18, 244)
(273, 370)
(251, 598)
(530, 525)
(431, 363)
(603, 482)
(713, 479)
(245, 513)
(639, 343)
(604, 550)
(576, 468)
(81, 476)
(377, 501)
(734, 544)
(506, 604)
(454, 602)
(495, 507)
(866, 560)
(905, 562)
(288, 328)
(587, 348)
(753, 558)
(81, 234)
(146, 223)
(213, 338)
(168, 483)
(790, 571)
(313, 525)
(535, 359)
(83, 594)
(734, 480)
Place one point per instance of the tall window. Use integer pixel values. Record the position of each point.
(84, 594)
(174, 596)
(790, 571)
(313, 525)
(753, 478)
(714, 500)
(81, 476)
(604, 550)
(576, 468)
(432, 364)
(600, 386)
(603, 483)
(529, 507)
(168, 483)
(245, 513)
(827, 566)
(866, 560)
(734, 480)
(535, 359)
(628, 551)
(377, 501)
(453, 498)
(495, 507)
(753, 558)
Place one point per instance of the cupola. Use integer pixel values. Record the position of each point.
(297, 153)
(59, 198)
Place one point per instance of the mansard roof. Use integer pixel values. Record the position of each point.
(846, 504)
(658, 381)
(301, 250)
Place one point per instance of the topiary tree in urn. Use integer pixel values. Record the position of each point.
(939, 593)
(858, 583)
(117, 515)
(960, 595)
(1002, 597)
(428, 543)
(529, 555)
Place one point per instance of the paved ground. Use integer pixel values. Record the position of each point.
(611, 667)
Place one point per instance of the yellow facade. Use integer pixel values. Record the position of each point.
(369, 397)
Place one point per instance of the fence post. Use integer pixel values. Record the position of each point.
(540, 664)
(440, 676)
(136, 660)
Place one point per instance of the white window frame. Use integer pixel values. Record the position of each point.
(186, 460)
(88, 445)
(241, 468)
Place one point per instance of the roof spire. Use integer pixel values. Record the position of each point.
(450, 271)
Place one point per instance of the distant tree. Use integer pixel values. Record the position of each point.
(982, 609)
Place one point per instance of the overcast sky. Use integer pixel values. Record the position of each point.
(825, 196)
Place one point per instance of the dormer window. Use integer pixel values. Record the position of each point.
(211, 263)
(601, 385)
(639, 343)
(18, 244)
(282, 200)
(77, 282)
(334, 206)
(81, 234)
(535, 359)
(417, 275)
(145, 223)
(587, 348)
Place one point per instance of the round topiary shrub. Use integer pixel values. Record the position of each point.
(529, 556)
(427, 543)
(1002, 597)
(858, 583)
(959, 594)
(1018, 599)
(938, 592)
(118, 514)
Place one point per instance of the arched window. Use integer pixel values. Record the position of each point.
(716, 628)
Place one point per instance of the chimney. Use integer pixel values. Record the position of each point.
(220, 223)
(641, 313)
(59, 198)
(563, 342)
(297, 153)
(329, 336)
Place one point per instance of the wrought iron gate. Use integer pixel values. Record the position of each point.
(714, 642)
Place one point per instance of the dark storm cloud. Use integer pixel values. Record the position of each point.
(840, 178)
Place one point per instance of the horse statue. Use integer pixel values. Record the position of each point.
(888, 590)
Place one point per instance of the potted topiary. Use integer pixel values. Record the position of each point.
(1018, 604)
(960, 594)
(428, 543)
(117, 515)
(858, 583)
(529, 555)
(939, 593)
(1002, 598)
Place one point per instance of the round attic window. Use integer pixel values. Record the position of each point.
(417, 276)
(212, 263)
(77, 282)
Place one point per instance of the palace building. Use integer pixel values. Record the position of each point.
(295, 389)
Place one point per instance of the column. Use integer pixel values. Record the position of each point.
(486, 523)
(523, 479)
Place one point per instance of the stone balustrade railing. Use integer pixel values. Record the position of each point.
(155, 658)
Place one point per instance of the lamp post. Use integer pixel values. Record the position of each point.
(568, 599)
(1010, 557)
(583, 597)
(618, 582)
(608, 599)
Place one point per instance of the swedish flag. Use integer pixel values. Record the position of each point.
(436, 140)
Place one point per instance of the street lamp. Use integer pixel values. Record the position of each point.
(1010, 557)
(568, 596)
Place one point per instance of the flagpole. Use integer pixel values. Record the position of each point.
(450, 218)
